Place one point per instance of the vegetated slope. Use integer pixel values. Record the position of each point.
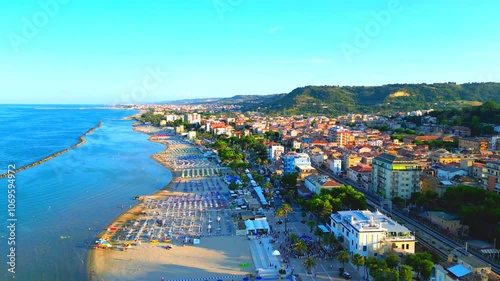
(335, 100)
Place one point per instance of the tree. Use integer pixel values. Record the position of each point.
(392, 261)
(309, 264)
(405, 273)
(311, 224)
(371, 265)
(330, 240)
(289, 181)
(358, 260)
(318, 232)
(300, 246)
(343, 257)
(280, 213)
(293, 237)
(304, 215)
(287, 209)
(426, 269)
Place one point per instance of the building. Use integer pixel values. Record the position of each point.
(192, 118)
(291, 160)
(339, 134)
(463, 268)
(361, 174)
(315, 182)
(371, 233)
(459, 131)
(493, 176)
(394, 175)
(335, 166)
(474, 145)
(448, 222)
(444, 157)
(305, 170)
(448, 173)
(350, 160)
(274, 151)
(431, 183)
(479, 172)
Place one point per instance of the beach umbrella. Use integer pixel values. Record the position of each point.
(276, 253)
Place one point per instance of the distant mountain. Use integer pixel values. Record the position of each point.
(338, 100)
(190, 101)
(386, 99)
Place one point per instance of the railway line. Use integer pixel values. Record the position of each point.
(422, 228)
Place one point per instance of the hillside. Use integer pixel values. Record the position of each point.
(386, 99)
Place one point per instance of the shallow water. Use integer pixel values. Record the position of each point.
(84, 188)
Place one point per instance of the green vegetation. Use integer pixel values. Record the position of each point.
(150, 116)
(421, 263)
(386, 99)
(472, 117)
(478, 208)
(333, 200)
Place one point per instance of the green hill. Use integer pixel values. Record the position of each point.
(386, 99)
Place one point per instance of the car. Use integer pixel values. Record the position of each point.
(345, 274)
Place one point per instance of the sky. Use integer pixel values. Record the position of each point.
(145, 51)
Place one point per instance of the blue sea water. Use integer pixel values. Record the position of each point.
(74, 195)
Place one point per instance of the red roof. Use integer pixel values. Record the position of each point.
(360, 168)
(331, 183)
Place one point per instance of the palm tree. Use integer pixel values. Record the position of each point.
(311, 224)
(343, 257)
(300, 246)
(293, 237)
(358, 260)
(318, 232)
(330, 240)
(279, 213)
(287, 209)
(309, 264)
(258, 161)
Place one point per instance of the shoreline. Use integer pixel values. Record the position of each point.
(221, 257)
(53, 155)
(131, 213)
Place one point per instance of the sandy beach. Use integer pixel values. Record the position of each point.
(223, 256)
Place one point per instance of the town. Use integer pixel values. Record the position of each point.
(384, 186)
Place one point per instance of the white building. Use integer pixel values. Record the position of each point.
(192, 118)
(336, 166)
(274, 151)
(371, 233)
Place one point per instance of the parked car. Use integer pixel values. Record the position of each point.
(345, 274)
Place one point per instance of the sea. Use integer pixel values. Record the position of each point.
(61, 205)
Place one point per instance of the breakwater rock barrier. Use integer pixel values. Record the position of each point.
(82, 141)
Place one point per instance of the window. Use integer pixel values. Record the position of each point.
(365, 248)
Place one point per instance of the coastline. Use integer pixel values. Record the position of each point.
(53, 155)
(130, 214)
(222, 257)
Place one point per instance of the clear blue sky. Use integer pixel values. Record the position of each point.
(88, 51)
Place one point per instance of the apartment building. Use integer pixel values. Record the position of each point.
(394, 175)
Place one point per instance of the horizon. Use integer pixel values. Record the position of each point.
(206, 98)
(71, 52)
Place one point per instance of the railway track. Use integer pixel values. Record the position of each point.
(452, 245)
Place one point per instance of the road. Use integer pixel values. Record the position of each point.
(422, 231)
